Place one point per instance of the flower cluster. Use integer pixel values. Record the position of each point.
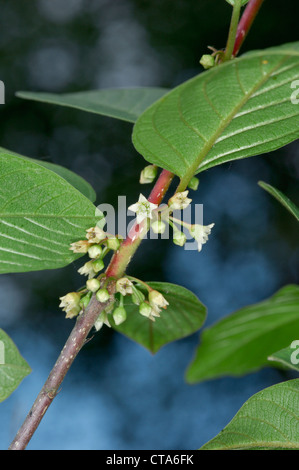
(149, 305)
(97, 244)
(181, 201)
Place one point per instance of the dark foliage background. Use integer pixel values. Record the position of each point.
(117, 395)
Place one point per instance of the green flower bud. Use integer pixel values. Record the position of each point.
(119, 315)
(158, 226)
(98, 265)
(193, 184)
(95, 251)
(145, 309)
(102, 295)
(85, 300)
(207, 61)
(113, 244)
(137, 296)
(93, 285)
(179, 238)
(148, 174)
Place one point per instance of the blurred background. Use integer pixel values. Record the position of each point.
(117, 395)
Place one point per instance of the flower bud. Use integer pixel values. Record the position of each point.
(102, 295)
(93, 285)
(158, 226)
(119, 315)
(193, 183)
(179, 238)
(145, 309)
(207, 61)
(113, 243)
(85, 300)
(148, 174)
(95, 251)
(137, 297)
(98, 265)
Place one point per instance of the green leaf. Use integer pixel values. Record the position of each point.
(267, 421)
(232, 2)
(184, 315)
(241, 342)
(235, 110)
(284, 200)
(13, 368)
(288, 357)
(40, 216)
(121, 103)
(75, 180)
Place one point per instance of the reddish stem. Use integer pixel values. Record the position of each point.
(245, 23)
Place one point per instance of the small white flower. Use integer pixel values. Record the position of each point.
(157, 301)
(87, 270)
(95, 235)
(179, 201)
(102, 320)
(124, 286)
(81, 246)
(70, 304)
(201, 233)
(143, 208)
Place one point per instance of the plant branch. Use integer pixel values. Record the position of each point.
(67, 356)
(232, 31)
(248, 17)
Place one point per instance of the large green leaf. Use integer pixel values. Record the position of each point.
(40, 215)
(75, 180)
(184, 315)
(13, 368)
(121, 103)
(267, 421)
(238, 109)
(287, 357)
(242, 342)
(284, 200)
